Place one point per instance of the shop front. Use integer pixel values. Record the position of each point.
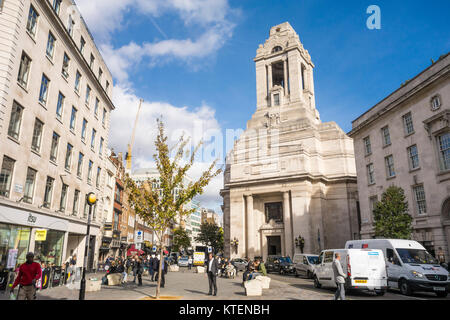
(48, 247)
(14, 245)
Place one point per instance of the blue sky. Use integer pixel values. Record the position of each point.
(193, 59)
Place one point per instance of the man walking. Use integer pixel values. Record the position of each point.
(163, 271)
(29, 273)
(151, 271)
(190, 263)
(212, 269)
(339, 277)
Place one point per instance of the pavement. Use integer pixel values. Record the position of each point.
(187, 285)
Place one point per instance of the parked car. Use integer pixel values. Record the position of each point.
(365, 269)
(280, 264)
(239, 264)
(409, 266)
(183, 262)
(305, 264)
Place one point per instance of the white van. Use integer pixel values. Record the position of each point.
(365, 269)
(409, 266)
(305, 264)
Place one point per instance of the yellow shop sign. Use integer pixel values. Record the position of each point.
(41, 235)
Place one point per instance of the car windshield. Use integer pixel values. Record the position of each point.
(419, 256)
(313, 259)
(285, 259)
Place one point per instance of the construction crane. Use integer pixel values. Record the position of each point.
(130, 145)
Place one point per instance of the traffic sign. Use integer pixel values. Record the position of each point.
(139, 237)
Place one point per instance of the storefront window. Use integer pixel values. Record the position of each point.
(50, 249)
(13, 238)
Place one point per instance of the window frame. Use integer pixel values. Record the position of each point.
(43, 96)
(32, 31)
(6, 192)
(68, 159)
(370, 174)
(411, 156)
(51, 40)
(65, 66)
(444, 153)
(54, 150)
(386, 136)
(36, 140)
(20, 77)
(405, 118)
(421, 210)
(48, 193)
(29, 198)
(389, 165)
(367, 146)
(17, 121)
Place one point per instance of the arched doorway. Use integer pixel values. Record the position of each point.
(446, 209)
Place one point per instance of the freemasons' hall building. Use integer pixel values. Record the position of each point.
(289, 175)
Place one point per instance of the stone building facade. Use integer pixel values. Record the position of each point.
(289, 174)
(404, 140)
(55, 105)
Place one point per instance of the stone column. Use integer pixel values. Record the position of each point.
(269, 69)
(287, 225)
(250, 228)
(285, 78)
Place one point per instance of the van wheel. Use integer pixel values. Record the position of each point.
(405, 289)
(441, 294)
(317, 283)
(380, 293)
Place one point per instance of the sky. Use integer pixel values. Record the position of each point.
(192, 62)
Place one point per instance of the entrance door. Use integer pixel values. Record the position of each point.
(91, 253)
(274, 245)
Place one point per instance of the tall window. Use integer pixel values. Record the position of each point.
(107, 86)
(372, 202)
(57, 5)
(408, 123)
(83, 130)
(54, 148)
(370, 174)
(93, 138)
(367, 146)
(101, 146)
(32, 21)
(89, 177)
(421, 203)
(63, 200)
(77, 81)
(97, 179)
(386, 136)
(37, 135)
(104, 116)
(88, 95)
(70, 24)
(91, 63)
(15, 121)
(274, 211)
(413, 156)
(435, 103)
(6, 176)
(97, 102)
(82, 44)
(51, 45)
(48, 192)
(43, 93)
(73, 118)
(100, 73)
(76, 200)
(390, 170)
(24, 70)
(68, 161)
(444, 150)
(60, 105)
(29, 185)
(65, 67)
(80, 164)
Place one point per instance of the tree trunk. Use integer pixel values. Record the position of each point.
(158, 285)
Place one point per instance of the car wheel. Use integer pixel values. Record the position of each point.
(308, 274)
(380, 293)
(317, 283)
(441, 294)
(405, 288)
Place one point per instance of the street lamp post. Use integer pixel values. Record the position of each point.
(91, 199)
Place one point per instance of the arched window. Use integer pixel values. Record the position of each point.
(446, 209)
(277, 49)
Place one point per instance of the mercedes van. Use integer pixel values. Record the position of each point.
(409, 265)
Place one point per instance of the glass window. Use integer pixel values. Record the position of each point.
(386, 136)
(63, 200)
(76, 199)
(274, 211)
(97, 179)
(421, 203)
(89, 178)
(29, 185)
(37, 135)
(444, 150)
(104, 116)
(416, 256)
(276, 99)
(390, 170)
(49, 251)
(57, 5)
(107, 86)
(100, 73)
(32, 21)
(51, 45)
(13, 238)
(80, 164)
(91, 63)
(83, 130)
(88, 95)
(15, 121)
(93, 138)
(65, 67)
(70, 24)
(77, 81)
(24, 70)
(48, 192)
(54, 148)
(82, 44)
(101, 146)
(97, 102)
(370, 174)
(367, 146)
(86, 209)
(408, 123)
(413, 157)
(43, 93)
(328, 257)
(73, 118)
(60, 105)
(6, 176)
(68, 162)
(435, 103)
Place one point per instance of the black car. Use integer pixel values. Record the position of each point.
(280, 264)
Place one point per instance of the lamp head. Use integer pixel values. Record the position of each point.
(91, 198)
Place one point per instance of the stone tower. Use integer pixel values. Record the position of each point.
(289, 174)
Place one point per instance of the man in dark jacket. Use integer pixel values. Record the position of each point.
(212, 268)
(163, 271)
(151, 265)
(154, 267)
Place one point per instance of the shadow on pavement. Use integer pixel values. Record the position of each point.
(196, 291)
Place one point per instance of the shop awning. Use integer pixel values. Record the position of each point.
(133, 251)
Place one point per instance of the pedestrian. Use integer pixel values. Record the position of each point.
(121, 269)
(339, 277)
(440, 256)
(212, 270)
(154, 267)
(133, 268)
(151, 271)
(261, 267)
(163, 271)
(29, 273)
(139, 270)
(72, 268)
(190, 263)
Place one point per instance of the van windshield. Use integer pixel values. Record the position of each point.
(313, 259)
(418, 256)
